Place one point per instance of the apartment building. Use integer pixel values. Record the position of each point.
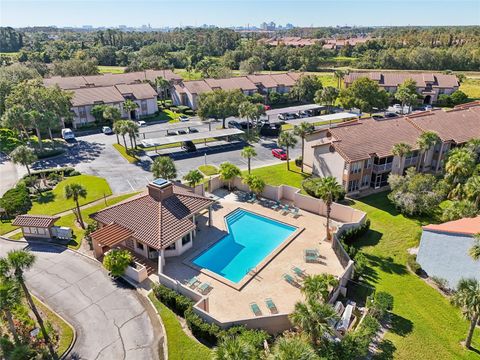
(429, 85)
(359, 153)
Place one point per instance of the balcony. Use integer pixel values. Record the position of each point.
(411, 161)
(382, 168)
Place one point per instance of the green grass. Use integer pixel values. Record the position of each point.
(65, 331)
(180, 345)
(471, 87)
(192, 75)
(111, 69)
(6, 226)
(69, 220)
(425, 325)
(123, 152)
(208, 170)
(164, 115)
(278, 175)
(54, 202)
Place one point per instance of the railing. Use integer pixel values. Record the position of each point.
(383, 167)
(411, 161)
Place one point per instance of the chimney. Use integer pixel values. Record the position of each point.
(160, 189)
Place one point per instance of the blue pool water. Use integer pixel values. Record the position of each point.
(250, 239)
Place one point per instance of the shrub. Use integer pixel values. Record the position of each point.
(116, 261)
(16, 201)
(414, 265)
(441, 283)
(175, 109)
(350, 235)
(211, 333)
(189, 112)
(65, 171)
(175, 301)
(8, 140)
(381, 303)
(310, 185)
(298, 161)
(182, 108)
(50, 153)
(56, 177)
(361, 264)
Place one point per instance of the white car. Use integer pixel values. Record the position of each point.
(141, 123)
(183, 118)
(67, 134)
(107, 130)
(397, 108)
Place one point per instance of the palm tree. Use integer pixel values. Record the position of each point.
(129, 106)
(318, 286)
(164, 167)
(328, 189)
(162, 84)
(472, 189)
(313, 318)
(327, 96)
(475, 249)
(459, 166)
(235, 348)
(19, 261)
(76, 191)
(289, 141)
(228, 171)
(9, 298)
(120, 128)
(255, 183)
(425, 142)
(248, 152)
(132, 129)
(339, 74)
(474, 146)
(401, 150)
(302, 131)
(23, 155)
(293, 347)
(467, 297)
(113, 114)
(193, 177)
(16, 117)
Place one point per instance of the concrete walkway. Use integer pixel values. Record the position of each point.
(112, 321)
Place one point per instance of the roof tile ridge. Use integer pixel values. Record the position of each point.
(135, 197)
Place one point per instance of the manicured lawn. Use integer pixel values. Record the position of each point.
(208, 170)
(180, 345)
(327, 79)
(70, 220)
(425, 325)
(164, 115)
(111, 69)
(123, 152)
(65, 331)
(192, 75)
(278, 174)
(6, 226)
(54, 202)
(471, 87)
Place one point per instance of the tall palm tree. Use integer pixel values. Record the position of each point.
(227, 172)
(19, 261)
(467, 297)
(163, 85)
(120, 128)
(132, 129)
(23, 155)
(113, 114)
(193, 177)
(16, 117)
(248, 152)
(76, 191)
(459, 166)
(339, 74)
(293, 347)
(302, 131)
(247, 110)
(475, 249)
(9, 298)
(472, 189)
(474, 146)
(425, 142)
(401, 150)
(235, 348)
(287, 140)
(129, 106)
(313, 318)
(318, 286)
(328, 189)
(164, 167)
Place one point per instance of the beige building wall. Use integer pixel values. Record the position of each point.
(328, 163)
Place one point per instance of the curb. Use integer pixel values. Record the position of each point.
(70, 347)
(165, 338)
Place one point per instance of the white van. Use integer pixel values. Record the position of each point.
(67, 134)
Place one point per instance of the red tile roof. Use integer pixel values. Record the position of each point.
(393, 79)
(41, 221)
(465, 226)
(111, 235)
(156, 223)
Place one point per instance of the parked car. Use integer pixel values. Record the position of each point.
(232, 124)
(428, 107)
(377, 116)
(267, 107)
(189, 146)
(141, 123)
(304, 114)
(183, 118)
(192, 130)
(171, 132)
(279, 154)
(287, 116)
(390, 114)
(397, 108)
(107, 130)
(182, 132)
(244, 125)
(67, 134)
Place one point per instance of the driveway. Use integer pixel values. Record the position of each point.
(8, 174)
(110, 319)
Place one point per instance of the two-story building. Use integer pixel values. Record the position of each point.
(429, 85)
(359, 153)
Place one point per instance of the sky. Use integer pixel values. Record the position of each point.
(160, 13)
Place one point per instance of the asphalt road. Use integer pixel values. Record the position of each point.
(95, 155)
(110, 319)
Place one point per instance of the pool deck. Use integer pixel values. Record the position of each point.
(227, 303)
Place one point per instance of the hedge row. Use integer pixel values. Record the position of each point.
(67, 171)
(16, 201)
(350, 235)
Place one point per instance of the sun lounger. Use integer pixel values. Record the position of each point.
(204, 287)
(252, 199)
(295, 211)
(286, 208)
(192, 282)
(289, 278)
(276, 205)
(271, 306)
(311, 255)
(255, 309)
(299, 272)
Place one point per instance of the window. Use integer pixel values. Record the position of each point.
(353, 185)
(82, 112)
(171, 247)
(365, 180)
(140, 246)
(355, 167)
(367, 164)
(144, 107)
(185, 239)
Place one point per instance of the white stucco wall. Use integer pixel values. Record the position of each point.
(327, 163)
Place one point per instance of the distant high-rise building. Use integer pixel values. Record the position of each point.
(289, 26)
(264, 26)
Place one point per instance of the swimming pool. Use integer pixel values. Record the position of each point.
(250, 239)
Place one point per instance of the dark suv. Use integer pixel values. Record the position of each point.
(189, 146)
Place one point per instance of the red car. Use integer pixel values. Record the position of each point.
(280, 154)
(266, 107)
